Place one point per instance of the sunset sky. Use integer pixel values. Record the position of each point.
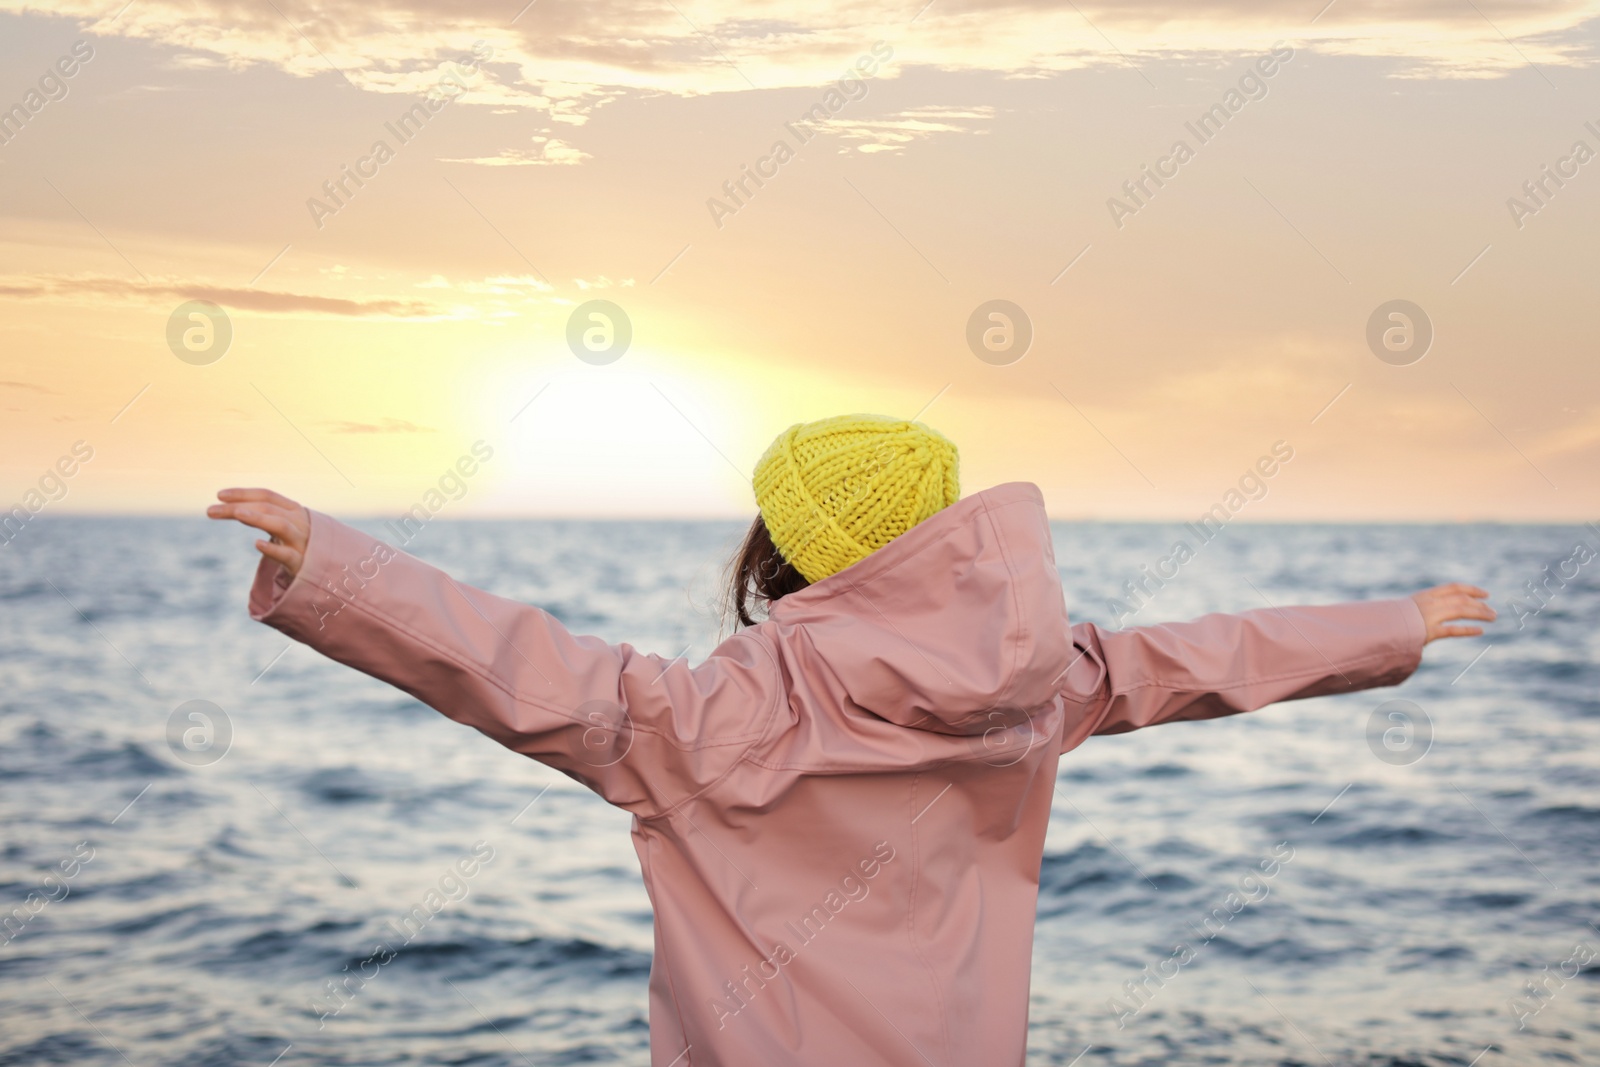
(961, 153)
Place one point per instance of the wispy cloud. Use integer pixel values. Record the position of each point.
(74, 288)
(520, 285)
(894, 132)
(546, 152)
(1574, 432)
(387, 425)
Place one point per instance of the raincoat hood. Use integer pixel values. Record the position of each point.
(957, 619)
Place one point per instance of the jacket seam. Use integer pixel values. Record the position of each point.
(672, 987)
(772, 710)
(1091, 700)
(911, 921)
(1263, 679)
(853, 769)
(1023, 632)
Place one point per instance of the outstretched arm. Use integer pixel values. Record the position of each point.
(1224, 664)
(643, 732)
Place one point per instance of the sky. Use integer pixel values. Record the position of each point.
(1200, 217)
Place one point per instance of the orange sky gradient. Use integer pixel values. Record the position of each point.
(954, 155)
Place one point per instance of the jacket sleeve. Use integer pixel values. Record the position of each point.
(643, 732)
(1224, 664)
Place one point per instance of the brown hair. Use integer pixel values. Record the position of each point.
(759, 575)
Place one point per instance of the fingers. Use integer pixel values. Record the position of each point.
(223, 511)
(283, 554)
(1453, 601)
(273, 522)
(1455, 589)
(273, 513)
(285, 523)
(1465, 607)
(1460, 631)
(261, 516)
(239, 496)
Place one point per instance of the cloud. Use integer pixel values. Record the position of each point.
(519, 285)
(1579, 435)
(27, 385)
(78, 287)
(387, 425)
(546, 152)
(894, 132)
(568, 59)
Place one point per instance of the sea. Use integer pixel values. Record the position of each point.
(204, 824)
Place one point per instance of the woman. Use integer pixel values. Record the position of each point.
(840, 814)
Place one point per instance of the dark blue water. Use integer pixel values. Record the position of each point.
(1384, 909)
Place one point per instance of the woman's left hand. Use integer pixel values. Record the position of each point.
(287, 523)
(1443, 603)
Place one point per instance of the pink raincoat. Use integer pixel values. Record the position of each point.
(840, 814)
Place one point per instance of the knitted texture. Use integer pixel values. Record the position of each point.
(835, 491)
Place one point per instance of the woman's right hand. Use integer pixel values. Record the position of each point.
(1444, 604)
(287, 523)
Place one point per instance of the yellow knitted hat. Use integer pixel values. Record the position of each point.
(835, 491)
